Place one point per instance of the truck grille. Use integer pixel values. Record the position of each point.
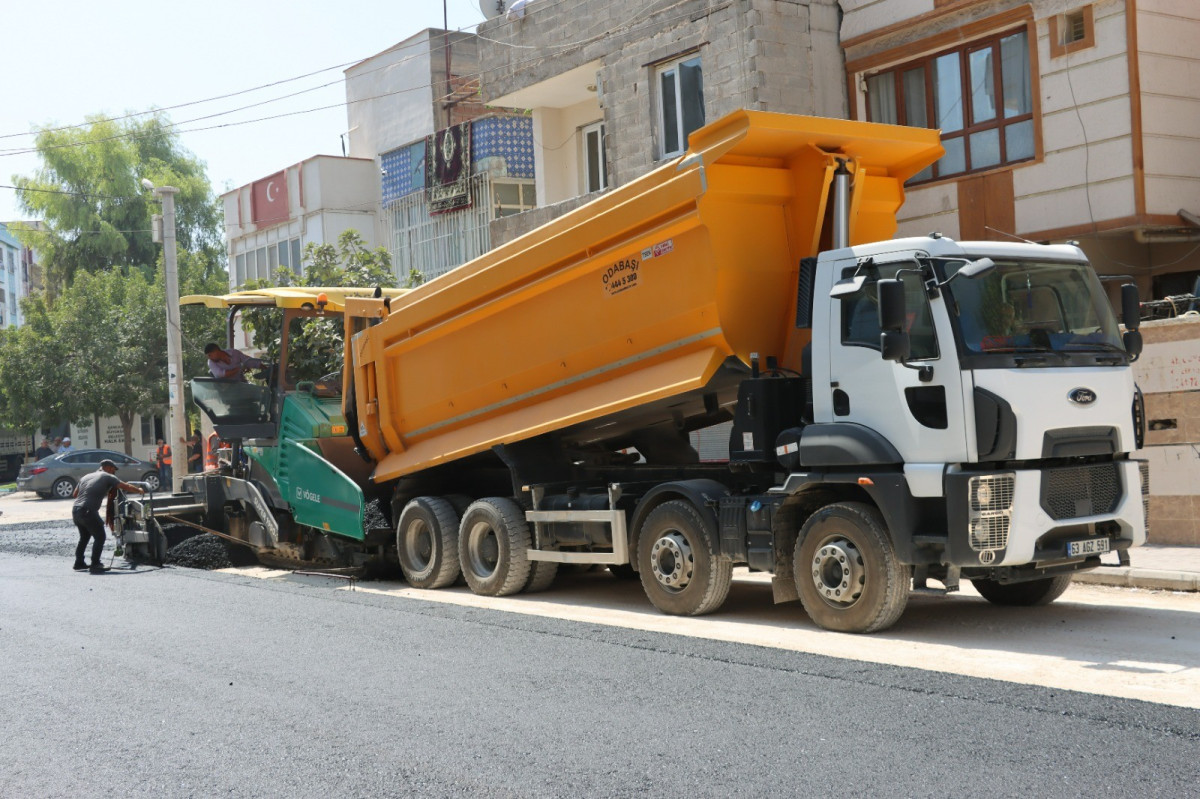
(1078, 491)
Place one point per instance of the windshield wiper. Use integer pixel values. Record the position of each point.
(1099, 347)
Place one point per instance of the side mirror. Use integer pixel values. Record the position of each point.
(895, 345)
(892, 313)
(1131, 308)
(1133, 343)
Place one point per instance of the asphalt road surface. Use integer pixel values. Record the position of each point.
(178, 682)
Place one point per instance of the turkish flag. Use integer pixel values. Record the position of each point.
(269, 200)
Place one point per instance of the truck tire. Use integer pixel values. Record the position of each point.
(680, 569)
(541, 576)
(427, 543)
(1023, 595)
(493, 547)
(63, 488)
(847, 573)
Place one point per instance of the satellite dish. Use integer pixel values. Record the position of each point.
(492, 8)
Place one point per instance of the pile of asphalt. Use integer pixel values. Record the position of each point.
(204, 551)
(41, 538)
(373, 517)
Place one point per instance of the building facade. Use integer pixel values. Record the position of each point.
(1061, 119)
(615, 89)
(410, 104)
(20, 275)
(398, 103)
(270, 221)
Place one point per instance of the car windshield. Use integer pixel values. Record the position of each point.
(1036, 312)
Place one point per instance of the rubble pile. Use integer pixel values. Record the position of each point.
(373, 517)
(205, 551)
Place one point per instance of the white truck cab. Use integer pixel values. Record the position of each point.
(998, 374)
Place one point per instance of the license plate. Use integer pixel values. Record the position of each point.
(1088, 546)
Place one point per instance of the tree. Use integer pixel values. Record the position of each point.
(100, 350)
(316, 345)
(95, 213)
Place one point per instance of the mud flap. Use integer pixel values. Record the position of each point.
(321, 495)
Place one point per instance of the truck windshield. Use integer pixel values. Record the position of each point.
(1030, 313)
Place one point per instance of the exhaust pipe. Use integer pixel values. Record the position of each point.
(841, 205)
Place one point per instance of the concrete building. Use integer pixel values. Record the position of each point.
(20, 275)
(1062, 119)
(397, 103)
(616, 87)
(270, 221)
(404, 107)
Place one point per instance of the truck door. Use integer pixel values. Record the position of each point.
(916, 405)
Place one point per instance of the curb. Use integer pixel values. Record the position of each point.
(1156, 579)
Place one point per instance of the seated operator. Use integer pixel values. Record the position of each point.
(229, 364)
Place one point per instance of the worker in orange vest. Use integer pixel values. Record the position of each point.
(211, 444)
(163, 456)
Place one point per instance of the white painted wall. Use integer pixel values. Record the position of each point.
(327, 195)
(400, 78)
(558, 166)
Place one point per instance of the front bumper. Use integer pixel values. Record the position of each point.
(1049, 508)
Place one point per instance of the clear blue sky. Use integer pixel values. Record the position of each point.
(65, 59)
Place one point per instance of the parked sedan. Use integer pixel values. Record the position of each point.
(57, 475)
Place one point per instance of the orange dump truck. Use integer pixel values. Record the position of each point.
(902, 410)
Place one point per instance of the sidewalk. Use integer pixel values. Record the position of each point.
(1151, 566)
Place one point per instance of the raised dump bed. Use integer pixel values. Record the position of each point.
(635, 312)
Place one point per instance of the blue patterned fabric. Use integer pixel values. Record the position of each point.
(403, 170)
(503, 146)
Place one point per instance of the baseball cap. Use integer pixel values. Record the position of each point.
(107, 462)
(66, 439)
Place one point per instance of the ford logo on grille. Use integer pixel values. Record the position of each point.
(1082, 396)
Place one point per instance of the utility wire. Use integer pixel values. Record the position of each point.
(434, 50)
(625, 28)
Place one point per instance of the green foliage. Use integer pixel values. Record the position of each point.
(316, 345)
(96, 215)
(95, 343)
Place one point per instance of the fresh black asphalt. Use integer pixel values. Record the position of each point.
(178, 682)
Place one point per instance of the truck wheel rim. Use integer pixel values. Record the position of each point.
(672, 562)
(483, 550)
(418, 545)
(838, 573)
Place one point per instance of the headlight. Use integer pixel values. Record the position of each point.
(991, 499)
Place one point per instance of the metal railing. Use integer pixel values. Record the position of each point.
(433, 245)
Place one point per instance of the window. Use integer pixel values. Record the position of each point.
(860, 311)
(680, 104)
(595, 160)
(980, 96)
(510, 198)
(1072, 31)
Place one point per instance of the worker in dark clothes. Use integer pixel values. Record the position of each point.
(90, 492)
(195, 454)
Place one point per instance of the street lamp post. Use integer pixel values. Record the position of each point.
(178, 414)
